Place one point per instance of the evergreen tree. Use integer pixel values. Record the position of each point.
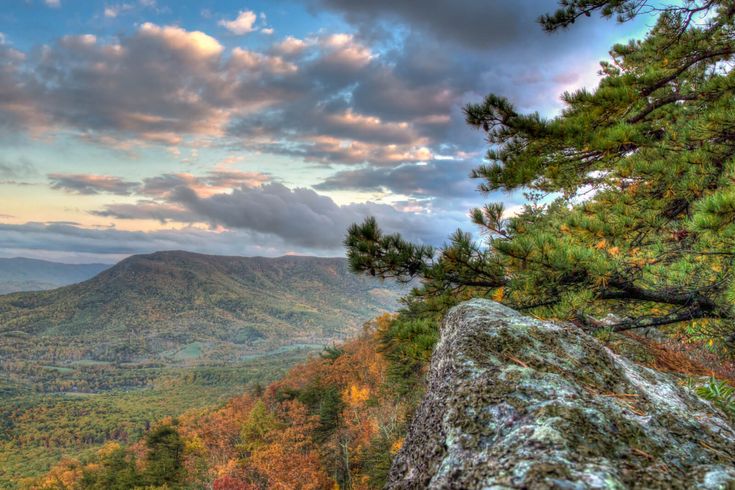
(116, 471)
(259, 424)
(631, 199)
(164, 465)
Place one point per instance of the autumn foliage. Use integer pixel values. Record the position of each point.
(332, 422)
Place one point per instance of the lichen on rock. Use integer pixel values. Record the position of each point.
(514, 402)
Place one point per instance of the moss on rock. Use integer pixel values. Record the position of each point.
(514, 402)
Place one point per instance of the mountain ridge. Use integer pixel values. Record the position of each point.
(149, 305)
(19, 274)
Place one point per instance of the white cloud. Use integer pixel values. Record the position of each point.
(195, 43)
(290, 46)
(53, 3)
(242, 24)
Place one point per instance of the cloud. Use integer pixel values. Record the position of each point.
(189, 44)
(152, 87)
(269, 220)
(438, 178)
(290, 46)
(212, 182)
(330, 97)
(69, 242)
(89, 184)
(299, 218)
(243, 24)
(112, 11)
(18, 107)
(478, 24)
(146, 210)
(52, 3)
(19, 169)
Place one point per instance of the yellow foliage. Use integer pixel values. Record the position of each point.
(602, 281)
(108, 449)
(498, 294)
(355, 395)
(601, 244)
(226, 468)
(194, 445)
(396, 446)
(614, 251)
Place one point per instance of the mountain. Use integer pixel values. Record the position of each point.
(180, 306)
(21, 274)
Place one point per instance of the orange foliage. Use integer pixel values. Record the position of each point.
(291, 461)
(679, 357)
(63, 475)
(293, 449)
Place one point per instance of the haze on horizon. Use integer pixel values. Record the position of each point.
(256, 127)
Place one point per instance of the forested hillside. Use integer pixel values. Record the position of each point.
(156, 335)
(21, 274)
(179, 306)
(335, 420)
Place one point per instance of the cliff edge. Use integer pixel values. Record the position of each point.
(514, 402)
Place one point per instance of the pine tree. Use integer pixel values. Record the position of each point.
(631, 199)
(164, 461)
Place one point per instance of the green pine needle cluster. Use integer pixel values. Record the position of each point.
(631, 204)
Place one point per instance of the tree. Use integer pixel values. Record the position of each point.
(259, 424)
(164, 464)
(115, 471)
(631, 200)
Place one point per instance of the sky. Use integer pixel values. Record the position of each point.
(261, 127)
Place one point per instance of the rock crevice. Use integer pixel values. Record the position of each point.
(514, 402)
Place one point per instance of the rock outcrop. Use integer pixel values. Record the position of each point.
(514, 402)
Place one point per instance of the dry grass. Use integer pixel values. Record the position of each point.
(686, 358)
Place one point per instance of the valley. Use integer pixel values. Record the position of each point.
(157, 335)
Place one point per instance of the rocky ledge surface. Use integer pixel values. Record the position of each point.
(514, 402)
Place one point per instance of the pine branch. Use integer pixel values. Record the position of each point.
(683, 315)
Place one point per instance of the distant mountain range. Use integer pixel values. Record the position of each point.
(186, 307)
(21, 274)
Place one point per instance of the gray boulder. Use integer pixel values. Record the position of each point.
(514, 402)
